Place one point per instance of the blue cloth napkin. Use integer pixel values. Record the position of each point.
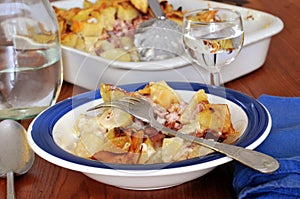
(283, 143)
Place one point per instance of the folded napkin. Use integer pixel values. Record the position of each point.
(283, 143)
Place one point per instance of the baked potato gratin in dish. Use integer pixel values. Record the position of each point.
(106, 28)
(113, 135)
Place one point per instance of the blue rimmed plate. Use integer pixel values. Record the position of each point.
(51, 136)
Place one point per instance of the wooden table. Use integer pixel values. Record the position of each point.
(280, 75)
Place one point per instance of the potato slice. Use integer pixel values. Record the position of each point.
(92, 29)
(174, 149)
(127, 12)
(118, 54)
(114, 117)
(81, 150)
(110, 92)
(141, 5)
(82, 15)
(216, 117)
(108, 16)
(89, 42)
(176, 16)
(100, 4)
(69, 39)
(147, 151)
(198, 151)
(91, 142)
(87, 4)
(117, 141)
(190, 111)
(81, 44)
(162, 94)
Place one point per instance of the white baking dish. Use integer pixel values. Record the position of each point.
(88, 71)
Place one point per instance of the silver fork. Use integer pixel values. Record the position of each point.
(142, 110)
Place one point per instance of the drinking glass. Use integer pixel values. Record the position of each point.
(30, 58)
(213, 38)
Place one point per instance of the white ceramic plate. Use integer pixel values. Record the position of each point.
(51, 136)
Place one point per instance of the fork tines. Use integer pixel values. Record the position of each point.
(116, 103)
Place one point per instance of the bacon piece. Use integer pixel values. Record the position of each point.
(106, 156)
(155, 136)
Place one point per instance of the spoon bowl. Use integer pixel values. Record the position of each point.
(158, 38)
(16, 156)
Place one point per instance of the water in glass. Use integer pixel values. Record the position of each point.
(215, 42)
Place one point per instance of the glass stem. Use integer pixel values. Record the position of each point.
(215, 79)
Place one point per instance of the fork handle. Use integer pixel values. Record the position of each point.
(253, 159)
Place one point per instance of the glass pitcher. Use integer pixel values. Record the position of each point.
(30, 58)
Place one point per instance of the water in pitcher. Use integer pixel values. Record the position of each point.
(29, 81)
(30, 58)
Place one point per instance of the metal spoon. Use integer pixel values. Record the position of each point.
(158, 38)
(16, 157)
